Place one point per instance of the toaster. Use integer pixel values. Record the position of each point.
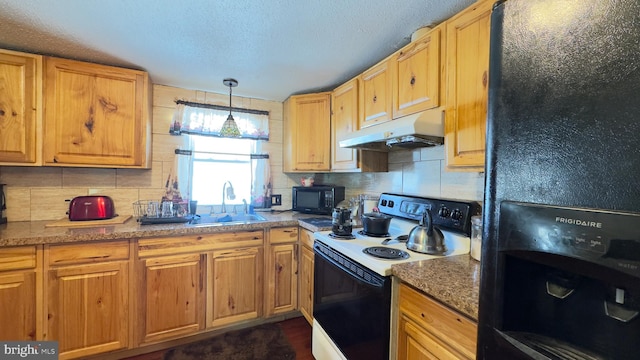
(83, 208)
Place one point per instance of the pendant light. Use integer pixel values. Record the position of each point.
(229, 128)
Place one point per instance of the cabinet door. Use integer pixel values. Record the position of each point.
(171, 297)
(375, 95)
(416, 84)
(467, 86)
(20, 108)
(18, 310)
(307, 124)
(306, 283)
(414, 343)
(344, 120)
(87, 308)
(95, 115)
(234, 286)
(282, 268)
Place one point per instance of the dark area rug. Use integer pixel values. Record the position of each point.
(266, 342)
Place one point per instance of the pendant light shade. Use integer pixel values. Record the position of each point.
(230, 128)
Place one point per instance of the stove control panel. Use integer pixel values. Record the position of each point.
(454, 215)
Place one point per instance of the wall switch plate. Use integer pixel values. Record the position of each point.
(276, 199)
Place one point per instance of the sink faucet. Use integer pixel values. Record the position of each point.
(229, 194)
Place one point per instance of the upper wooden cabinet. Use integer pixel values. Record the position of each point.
(375, 95)
(344, 120)
(307, 133)
(20, 108)
(467, 80)
(416, 75)
(96, 115)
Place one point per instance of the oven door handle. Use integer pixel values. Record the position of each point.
(365, 276)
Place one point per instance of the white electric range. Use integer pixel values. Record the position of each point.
(352, 288)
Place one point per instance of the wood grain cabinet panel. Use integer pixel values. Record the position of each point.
(307, 133)
(345, 120)
(96, 115)
(305, 275)
(430, 330)
(416, 80)
(234, 289)
(467, 81)
(20, 108)
(21, 293)
(171, 297)
(375, 95)
(282, 271)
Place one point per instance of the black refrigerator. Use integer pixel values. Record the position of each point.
(560, 272)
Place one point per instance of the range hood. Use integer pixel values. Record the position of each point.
(408, 132)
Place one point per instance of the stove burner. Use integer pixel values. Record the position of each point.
(362, 232)
(386, 253)
(342, 237)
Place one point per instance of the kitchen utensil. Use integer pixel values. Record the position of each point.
(375, 223)
(98, 207)
(425, 238)
(341, 221)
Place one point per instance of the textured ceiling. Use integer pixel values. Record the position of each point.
(273, 48)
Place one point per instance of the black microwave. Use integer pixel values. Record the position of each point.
(318, 199)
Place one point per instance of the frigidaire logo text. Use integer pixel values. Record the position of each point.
(593, 224)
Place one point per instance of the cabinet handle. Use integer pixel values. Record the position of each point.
(375, 98)
(484, 79)
(413, 80)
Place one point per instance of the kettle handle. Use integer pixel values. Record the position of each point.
(427, 221)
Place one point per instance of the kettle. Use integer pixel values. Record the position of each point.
(341, 221)
(425, 238)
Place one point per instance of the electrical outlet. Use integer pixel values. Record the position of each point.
(276, 199)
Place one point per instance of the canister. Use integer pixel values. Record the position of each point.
(476, 237)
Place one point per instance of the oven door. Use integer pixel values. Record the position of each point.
(352, 304)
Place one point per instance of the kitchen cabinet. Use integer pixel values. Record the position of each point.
(87, 297)
(307, 133)
(344, 120)
(467, 78)
(96, 115)
(235, 280)
(20, 108)
(429, 330)
(21, 293)
(170, 290)
(416, 75)
(282, 271)
(305, 275)
(375, 94)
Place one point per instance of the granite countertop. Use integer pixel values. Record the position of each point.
(453, 280)
(36, 232)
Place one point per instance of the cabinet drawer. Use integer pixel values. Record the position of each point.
(16, 258)
(283, 235)
(445, 324)
(198, 243)
(87, 253)
(306, 238)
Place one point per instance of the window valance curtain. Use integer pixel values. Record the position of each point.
(207, 119)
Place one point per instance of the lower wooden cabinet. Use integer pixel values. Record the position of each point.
(171, 297)
(282, 271)
(20, 293)
(429, 330)
(305, 275)
(87, 297)
(234, 286)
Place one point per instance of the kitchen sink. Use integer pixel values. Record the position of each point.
(225, 218)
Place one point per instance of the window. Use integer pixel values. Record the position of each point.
(216, 161)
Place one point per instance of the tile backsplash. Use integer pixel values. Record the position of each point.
(39, 193)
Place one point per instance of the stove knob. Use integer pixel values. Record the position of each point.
(456, 214)
(383, 202)
(444, 212)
